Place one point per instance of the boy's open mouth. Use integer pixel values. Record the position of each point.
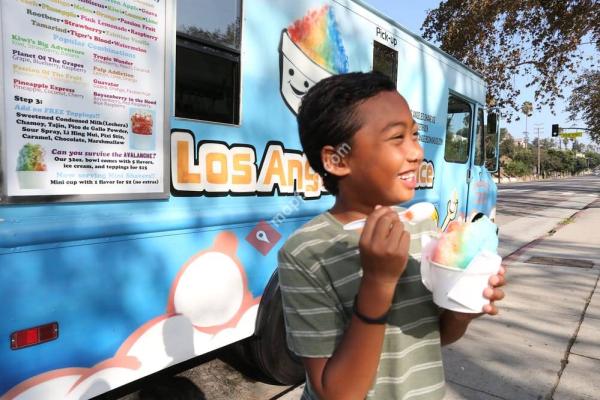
(407, 176)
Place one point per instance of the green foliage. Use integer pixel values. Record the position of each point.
(517, 168)
(524, 155)
(594, 159)
(457, 148)
(540, 40)
(527, 108)
(519, 161)
(584, 102)
(507, 147)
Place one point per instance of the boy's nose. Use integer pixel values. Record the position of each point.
(415, 151)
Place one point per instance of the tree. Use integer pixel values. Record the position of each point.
(507, 144)
(584, 102)
(517, 168)
(577, 146)
(594, 159)
(537, 39)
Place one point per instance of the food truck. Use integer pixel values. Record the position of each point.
(151, 169)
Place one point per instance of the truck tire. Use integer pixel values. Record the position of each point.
(268, 347)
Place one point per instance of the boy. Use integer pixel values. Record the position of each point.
(354, 306)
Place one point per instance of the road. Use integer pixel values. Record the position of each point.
(525, 212)
(529, 210)
(517, 200)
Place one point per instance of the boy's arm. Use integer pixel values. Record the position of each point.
(453, 325)
(350, 371)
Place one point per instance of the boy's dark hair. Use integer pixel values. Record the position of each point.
(327, 115)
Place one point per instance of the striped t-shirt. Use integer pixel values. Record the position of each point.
(320, 273)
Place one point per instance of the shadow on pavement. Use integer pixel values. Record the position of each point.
(175, 388)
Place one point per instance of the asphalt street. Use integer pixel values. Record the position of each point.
(526, 199)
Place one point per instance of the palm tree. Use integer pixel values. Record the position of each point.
(527, 109)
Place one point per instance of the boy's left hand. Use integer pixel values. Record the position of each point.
(493, 292)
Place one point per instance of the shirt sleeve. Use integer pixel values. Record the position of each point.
(314, 320)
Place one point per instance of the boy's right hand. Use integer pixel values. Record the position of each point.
(384, 247)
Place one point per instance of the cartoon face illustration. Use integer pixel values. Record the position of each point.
(298, 73)
(311, 49)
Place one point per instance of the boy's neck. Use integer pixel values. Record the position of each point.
(346, 211)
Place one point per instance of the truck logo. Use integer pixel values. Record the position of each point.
(215, 168)
(310, 49)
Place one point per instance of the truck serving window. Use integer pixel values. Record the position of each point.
(458, 130)
(385, 60)
(207, 73)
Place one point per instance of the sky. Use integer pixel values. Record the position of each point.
(412, 17)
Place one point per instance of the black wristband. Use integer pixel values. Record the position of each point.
(373, 321)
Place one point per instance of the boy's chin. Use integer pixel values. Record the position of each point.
(403, 197)
(395, 200)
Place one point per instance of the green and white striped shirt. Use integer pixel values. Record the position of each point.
(320, 273)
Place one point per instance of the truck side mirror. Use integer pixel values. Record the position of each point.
(492, 123)
(492, 142)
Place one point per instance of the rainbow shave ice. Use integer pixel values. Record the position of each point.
(318, 36)
(463, 241)
(311, 49)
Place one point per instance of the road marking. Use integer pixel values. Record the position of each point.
(515, 190)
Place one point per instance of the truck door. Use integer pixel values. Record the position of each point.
(454, 193)
(482, 193)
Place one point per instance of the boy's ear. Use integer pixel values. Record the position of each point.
(334, 161)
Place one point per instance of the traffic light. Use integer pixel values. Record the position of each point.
(555, 130)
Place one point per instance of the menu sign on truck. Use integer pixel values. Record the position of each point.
(83, 96)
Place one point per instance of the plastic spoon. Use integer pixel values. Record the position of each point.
(416, 213)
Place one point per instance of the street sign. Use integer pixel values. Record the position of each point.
(571, 135)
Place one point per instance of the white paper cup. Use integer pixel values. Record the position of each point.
(457, 289)
(32, 179)
(141, 142)
(439, 280)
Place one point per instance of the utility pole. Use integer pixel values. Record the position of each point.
(538, 128)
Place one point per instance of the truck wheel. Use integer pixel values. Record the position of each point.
(268, 348)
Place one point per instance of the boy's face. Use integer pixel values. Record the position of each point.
(386, 153)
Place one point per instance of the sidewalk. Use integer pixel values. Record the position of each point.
(545, 343)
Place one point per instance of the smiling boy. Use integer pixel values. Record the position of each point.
(355, 309)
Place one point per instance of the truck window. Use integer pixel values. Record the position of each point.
(479, 139)
(207, 72)
(385, 60)
(458, 129)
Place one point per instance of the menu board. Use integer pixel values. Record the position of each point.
(83, 96)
